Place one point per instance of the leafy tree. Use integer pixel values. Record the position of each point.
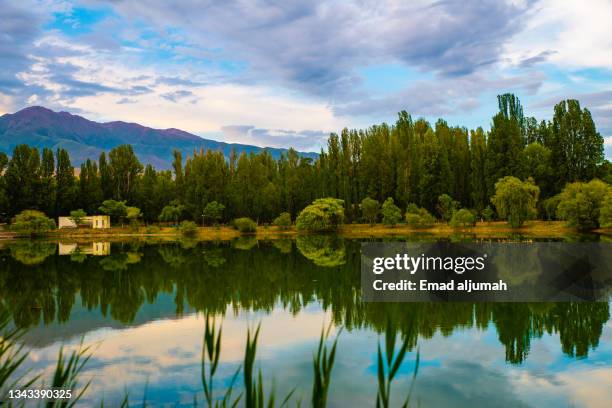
(536, 162)
(505, 142)
(47, 182)
(549, 207)
(133, 215)
(32, 222)
(283, 221)
(188, 228)
(66, 186)
(124, 170)
(106, 177)
(605, 212)
(487, 213)
(245, 224)
(177, 166)
(412, 208)
(22, 179)
(446, 206)
(324, 214)
(515, 200)
(89, 187)
(580, 203)
(463, 218)
(391, 214)
(370, 209)
(478, 177)
(77, 216)
(172, 212)
(117, 210)
(213, 212)
(576, 146)
(421, 219)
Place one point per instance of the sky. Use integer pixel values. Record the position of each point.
(286, 73)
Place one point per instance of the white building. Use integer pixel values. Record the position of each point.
(91, 221)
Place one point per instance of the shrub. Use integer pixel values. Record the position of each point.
(605, 213)
(213, 212)
(324, 214)
(172, 212)
(116, 209)
(421, 219)
(391, 214)
(446, 207)
(77, 216)
(152, 229)
(580, 203)
(549, 207)
(370, 209)
(245, 224)
(412, 208)
(515, 200)
(32, 222)
(188, 228)
(283, 221)
(463, 218)
(487, 214)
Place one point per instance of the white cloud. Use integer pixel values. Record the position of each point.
(574, 32)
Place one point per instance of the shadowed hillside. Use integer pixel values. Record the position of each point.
(40, 127)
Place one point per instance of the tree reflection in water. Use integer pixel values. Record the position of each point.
(37, 285)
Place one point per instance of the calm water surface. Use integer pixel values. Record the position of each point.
(142, 306)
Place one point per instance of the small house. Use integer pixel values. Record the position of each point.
(90, 221)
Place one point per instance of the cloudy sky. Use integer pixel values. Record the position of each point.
(285, 72)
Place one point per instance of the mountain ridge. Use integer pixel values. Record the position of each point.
(41, 127)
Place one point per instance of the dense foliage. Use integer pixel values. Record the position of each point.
(188, 228)
(244, 224)
(436, 166)
(515, 200)
(391, 213)
(421, 218)
(77, 216)
(369, 210)
(581, 203)
(463, 218)
(324, 214)
(283, 221)
(32, 222)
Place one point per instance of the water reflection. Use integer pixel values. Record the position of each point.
(39, 286)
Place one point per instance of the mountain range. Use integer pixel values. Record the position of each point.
(82, 138)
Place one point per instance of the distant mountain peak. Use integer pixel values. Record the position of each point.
(42, 127)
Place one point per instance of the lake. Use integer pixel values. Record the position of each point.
(142, 305)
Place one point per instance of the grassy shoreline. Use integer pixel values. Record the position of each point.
(481, 229)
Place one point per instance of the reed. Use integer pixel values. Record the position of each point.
(323, 362)
(66, 375)
(211, 351)
(253, 385)
(12, 356)
(389, 365)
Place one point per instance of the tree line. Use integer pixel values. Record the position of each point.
(410, 161)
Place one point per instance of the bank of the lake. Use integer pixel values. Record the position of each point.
(495, 229)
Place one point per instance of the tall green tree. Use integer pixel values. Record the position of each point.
(576, 146)
(516, 200)
(23, 179)
(66, 184)
(124, 169)
(505, 142)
